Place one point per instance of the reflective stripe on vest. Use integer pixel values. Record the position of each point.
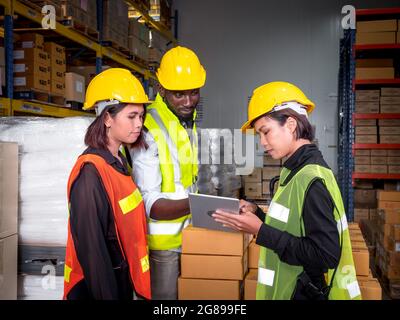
(130, 225)
(277, 280)
(178, 162)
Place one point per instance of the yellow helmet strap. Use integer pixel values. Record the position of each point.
(292, 105)
(100, 106)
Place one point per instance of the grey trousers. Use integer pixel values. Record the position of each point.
(164, 273)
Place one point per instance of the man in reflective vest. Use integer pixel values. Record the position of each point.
(167, 170)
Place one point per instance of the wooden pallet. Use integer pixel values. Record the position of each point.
(117, 47)
(34, 95)
(74, 105)
(82, 28)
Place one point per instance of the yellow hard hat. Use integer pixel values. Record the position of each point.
(272, 94)
(115, 84)
(180, 69)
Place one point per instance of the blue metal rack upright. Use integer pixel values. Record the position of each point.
(346, 105)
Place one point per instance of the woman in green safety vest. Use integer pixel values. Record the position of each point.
(305, 246)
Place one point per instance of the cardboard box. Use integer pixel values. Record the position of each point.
(390, 100)
(366, 139)
(366, 130)
(389, 204)
(393, 258)
(389, 216)
(374, 73)
(57, 88)
(367, 107)
(265, 187)
(362, 168)
(74, 87)
(253, 190)
(205, 289)
(393, 169)
(389, 130)
(8, 267)
(8, 188)
(388, 195)
(388, 108)
(255, 176)
(250, 285)
(379, 168)
(361, 261)
(377, 26)
(360, 214)
(21, 69)
(270, 172)
(371, 290)
(218, 267)
(389, 139)
(55, 50)
(378, 153)
(205, 241)
(269, 161)
(362, 152)
(395, 232)
(254, 254)
(389, 186)
(378, 160)
(365, 122)
(372, 214)
(388, 122)
(392, 273)
(367, 95)
(89, 72)
(393, 153)
(365, 198)
(32, 81)
(31, 56)
(390, 91)
(30, 40)
(362, 160)
(374, 63)
(375, 38)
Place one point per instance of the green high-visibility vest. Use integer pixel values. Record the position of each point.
(178, 157)
(277, 279)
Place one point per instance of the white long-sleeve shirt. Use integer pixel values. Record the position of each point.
(147, 175)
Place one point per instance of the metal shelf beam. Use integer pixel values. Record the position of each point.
(376, 115)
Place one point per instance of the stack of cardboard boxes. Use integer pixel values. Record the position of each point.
(57, 68)
(31, 64)
(250, 283)
(388, 246)
(364, 202)
(376, 32)
(82, 14)
(74, 89)
(8, 220)
(116, 23)
(369, 286)
(139, 39)
(213, 264)
(158, 46)
(256, 185)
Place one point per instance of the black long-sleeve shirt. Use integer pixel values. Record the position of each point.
(319, 249)
(106, 273)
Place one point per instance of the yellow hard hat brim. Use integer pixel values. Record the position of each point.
(93, 106)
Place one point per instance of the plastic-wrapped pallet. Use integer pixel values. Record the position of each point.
(48, 150)
(217, 172)
(45, 287)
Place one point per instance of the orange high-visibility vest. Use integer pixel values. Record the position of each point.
(130, 225)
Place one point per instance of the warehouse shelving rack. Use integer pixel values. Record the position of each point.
(346, 103)
(9, 106)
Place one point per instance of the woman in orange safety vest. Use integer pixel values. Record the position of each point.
(107, 253)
